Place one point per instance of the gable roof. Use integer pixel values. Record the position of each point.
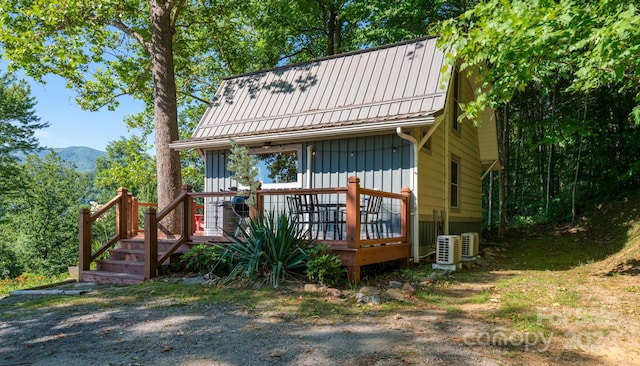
(379, 89)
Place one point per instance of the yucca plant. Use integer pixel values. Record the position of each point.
(268, 247)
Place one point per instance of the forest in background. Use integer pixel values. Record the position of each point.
(566, 104)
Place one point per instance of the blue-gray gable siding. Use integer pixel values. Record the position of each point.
(381, 162)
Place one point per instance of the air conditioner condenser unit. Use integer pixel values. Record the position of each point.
(470, 246)
(448, 252)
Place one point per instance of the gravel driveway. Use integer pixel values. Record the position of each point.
(169, 334)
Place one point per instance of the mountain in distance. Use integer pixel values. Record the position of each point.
(84, 158)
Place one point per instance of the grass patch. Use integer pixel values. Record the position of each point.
(28, 280)
(557, 252)
(480, 298)
(632, 289)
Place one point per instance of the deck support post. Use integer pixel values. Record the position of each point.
(353, 274)
(353, 225)
(84, 239)
(405, 228)
(353, 213)
(150, 244)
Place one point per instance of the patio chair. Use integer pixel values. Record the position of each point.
(308, 213)
(370, 216)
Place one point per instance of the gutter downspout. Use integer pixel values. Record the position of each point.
(415, 247)
(309, 162)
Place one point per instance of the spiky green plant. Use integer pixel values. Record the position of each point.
(268, 247)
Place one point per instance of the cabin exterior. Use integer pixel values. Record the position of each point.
(388, 116)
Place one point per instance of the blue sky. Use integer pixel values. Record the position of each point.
(69, 125)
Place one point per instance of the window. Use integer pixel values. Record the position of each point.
(279, 167)
(427, 145)
(455, 183)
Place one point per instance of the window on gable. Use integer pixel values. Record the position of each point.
(455, 183)
(427, 145)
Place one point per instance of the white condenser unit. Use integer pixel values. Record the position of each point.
(470, 244)
(448, 250)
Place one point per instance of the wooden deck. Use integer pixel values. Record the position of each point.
(339, 219)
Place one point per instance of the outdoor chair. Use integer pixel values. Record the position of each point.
(370, 216)
(308, 213)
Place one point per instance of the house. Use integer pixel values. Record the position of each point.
(387, 115)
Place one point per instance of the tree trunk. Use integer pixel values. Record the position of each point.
(490, 203)
(575, 178)
(165, 108)
(332, 31)
(503, 145)
(502, 224)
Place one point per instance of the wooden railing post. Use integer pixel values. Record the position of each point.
(129, 215)
(150, 244)
(258, 208)
(353, 213)
(187, 213)
(84, 238)
(121, 213)
(135, 216)
(405, 214)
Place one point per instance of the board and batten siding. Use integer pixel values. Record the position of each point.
(381, 162)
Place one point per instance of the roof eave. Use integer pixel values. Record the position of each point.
(305, 135)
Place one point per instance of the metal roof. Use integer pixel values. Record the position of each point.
(373, 90)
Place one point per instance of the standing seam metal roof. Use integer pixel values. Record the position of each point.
(386, 84)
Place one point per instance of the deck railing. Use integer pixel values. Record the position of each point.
(343, 223)
(123, 228)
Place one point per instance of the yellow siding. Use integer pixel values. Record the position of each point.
(432, 167)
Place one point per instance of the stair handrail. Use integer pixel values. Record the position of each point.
(85, 224)
(151, 219)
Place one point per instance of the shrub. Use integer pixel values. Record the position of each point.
(9, 264)
(324, 266)
(205, 259)
(267, 247)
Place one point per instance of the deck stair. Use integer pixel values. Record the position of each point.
(125, 263)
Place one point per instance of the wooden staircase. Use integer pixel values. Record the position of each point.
(125, 264)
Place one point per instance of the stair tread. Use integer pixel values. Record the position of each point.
(121, 261)
(114, 274)
(141, 240)
(127, 250)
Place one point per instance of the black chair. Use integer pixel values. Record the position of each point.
(308, 213)
(370, 216)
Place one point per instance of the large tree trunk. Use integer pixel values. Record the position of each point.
(333, 25)
(165, 107)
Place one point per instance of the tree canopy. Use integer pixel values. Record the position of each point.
(514, 43)
(18, 124)
(156, 51)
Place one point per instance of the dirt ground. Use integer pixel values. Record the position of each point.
(132, 334)
(159, 333)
